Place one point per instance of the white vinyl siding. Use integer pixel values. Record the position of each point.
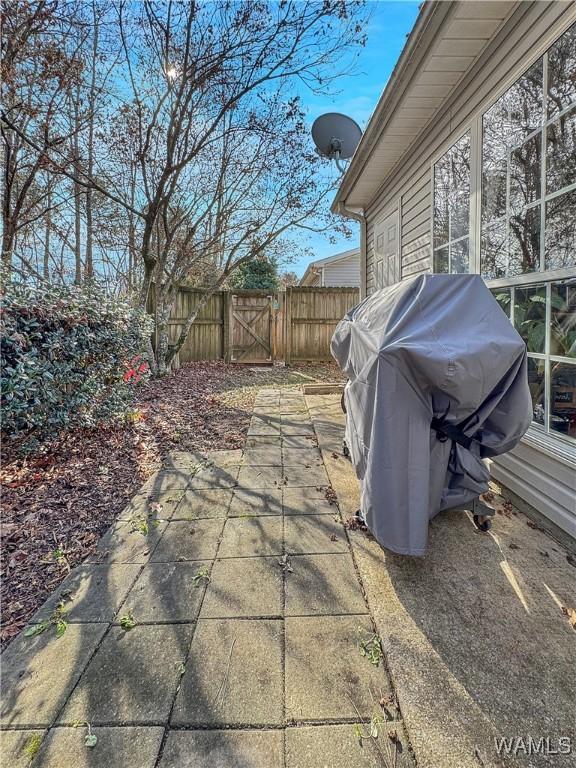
(343, 273)
(542, 479)
(415, 227)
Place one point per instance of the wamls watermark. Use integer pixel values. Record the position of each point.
(528, 745)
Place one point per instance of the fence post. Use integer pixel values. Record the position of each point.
(226, 327)
(288, 326)
(280, 331)
(272, 323)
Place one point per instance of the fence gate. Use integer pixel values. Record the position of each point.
(250, 327)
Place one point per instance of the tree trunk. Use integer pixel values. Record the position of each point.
(131, 235)
(162, 308)
(46, 261)
(8, 227)
(77, 236)
(131, 251)
(149, 268)
(89, 264)
(89, 267)
(162, 342)
(77, 195)
(8, 240)
(148, 261)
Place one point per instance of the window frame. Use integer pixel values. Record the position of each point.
(540, 52)
(470, 128)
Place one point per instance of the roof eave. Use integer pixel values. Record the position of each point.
(335, 258)
(310, 270)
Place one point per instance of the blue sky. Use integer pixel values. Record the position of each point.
(389, 24)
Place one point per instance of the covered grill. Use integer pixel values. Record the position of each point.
(437, 383)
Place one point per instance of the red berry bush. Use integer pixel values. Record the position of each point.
(71, 356)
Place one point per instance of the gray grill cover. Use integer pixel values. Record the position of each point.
(425, 347)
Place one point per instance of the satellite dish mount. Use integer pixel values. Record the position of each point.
(335, 151)
(336, 137)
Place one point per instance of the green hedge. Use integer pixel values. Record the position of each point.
(70, 358)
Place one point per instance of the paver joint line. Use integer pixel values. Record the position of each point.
(262, 629)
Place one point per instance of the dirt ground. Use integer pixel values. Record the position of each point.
(58, 502)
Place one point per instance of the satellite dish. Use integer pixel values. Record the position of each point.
(336, 136)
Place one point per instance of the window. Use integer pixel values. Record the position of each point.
(528, 223)
(545, 316)
(452, 209)
(530, 316)
(528, 218)
(504, 205)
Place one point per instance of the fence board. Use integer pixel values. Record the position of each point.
(312, 318)
(205, 340)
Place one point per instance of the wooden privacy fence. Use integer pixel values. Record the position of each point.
(311, 316)
(259, 326)
(205, 340)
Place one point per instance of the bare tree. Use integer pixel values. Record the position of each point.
(215, 164)
(37, 74)
(53, 84)
(200, 66)
(289, 279)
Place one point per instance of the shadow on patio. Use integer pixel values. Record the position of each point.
(474, 635)
(246, 606)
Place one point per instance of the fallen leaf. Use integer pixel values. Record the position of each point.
(571, 614)
(78, 484)
(284, 563)
(353, 523)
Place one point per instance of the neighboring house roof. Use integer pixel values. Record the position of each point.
(446, 40)
(315, 266)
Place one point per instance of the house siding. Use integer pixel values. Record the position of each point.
(343, 273)
(542, 480)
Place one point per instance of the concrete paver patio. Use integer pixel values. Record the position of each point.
(237, 573)
(251, 604)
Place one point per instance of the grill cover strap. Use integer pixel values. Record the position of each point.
(446, 431)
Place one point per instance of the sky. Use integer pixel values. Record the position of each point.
(358, 94)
